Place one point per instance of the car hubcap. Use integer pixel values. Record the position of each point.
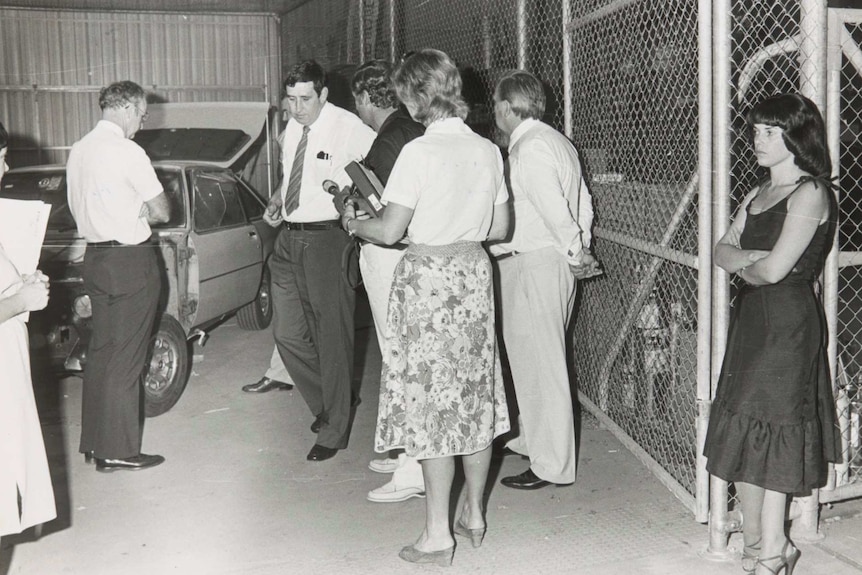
(263, 300)
(163, 364)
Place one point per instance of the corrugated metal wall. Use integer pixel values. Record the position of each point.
(54, 63)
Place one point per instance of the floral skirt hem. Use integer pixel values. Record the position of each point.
(441, 387)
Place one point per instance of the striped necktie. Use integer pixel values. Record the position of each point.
(291, 197)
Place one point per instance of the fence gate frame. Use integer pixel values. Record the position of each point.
(698, 185)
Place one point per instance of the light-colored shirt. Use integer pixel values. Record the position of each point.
(335, 139)
(551, 202)
(451, 178)
(109, 177)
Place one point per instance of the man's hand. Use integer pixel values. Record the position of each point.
(340, 199)
(589, 267)
(272, 215)
(348, 213)
(34, 291)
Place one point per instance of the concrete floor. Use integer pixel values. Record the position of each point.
(236, 496)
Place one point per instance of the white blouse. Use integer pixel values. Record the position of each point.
(451, 178)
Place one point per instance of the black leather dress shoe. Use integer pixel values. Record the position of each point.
(526, 480)
(321, 453)
(317, 423)
(140, 461)
(265, 384)
(89, 457)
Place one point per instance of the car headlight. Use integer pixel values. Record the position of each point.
(82, 306)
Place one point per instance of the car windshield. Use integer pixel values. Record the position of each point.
(50, 187)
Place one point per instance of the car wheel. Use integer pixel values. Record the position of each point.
(167, 368)
(257, 315)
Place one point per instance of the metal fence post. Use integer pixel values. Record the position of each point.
(812, 79)
(704, 248)
(718, 517)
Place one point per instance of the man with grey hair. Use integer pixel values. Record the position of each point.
(538, 268)
(114, 196)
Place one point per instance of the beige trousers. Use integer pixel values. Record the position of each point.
(538, 294)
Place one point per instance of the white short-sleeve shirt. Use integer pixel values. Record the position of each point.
(451, 178)
(109, 177)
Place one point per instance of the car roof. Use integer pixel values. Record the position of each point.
(212, 133)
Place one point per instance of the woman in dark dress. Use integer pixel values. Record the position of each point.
(771, 428)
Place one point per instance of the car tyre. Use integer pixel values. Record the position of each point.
(167, 367)
(257, 314)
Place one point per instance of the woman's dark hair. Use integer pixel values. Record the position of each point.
(4, 137)
(803, 130)
(429, 82)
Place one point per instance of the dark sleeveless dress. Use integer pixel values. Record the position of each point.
(772, 422)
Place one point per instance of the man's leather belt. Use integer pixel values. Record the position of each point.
(108, 244)
(115, 244)
(312, 226)
(506, 255)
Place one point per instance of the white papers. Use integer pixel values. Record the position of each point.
(22, 231)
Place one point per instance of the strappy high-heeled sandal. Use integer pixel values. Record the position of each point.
(785, 562)
(750, 553)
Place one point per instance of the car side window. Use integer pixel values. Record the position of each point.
(170, 181)
(216, 201)
(254, 206)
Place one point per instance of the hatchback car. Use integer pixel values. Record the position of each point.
(214, 249)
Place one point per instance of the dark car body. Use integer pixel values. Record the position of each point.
(213, 250)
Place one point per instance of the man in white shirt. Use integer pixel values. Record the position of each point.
(313, 301)
(114, 196)
(538, 271)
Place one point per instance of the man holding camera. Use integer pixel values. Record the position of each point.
(378, 106)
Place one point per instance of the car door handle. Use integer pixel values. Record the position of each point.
(252, 235)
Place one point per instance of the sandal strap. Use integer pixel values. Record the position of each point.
(756, 546)
(750, 556)
(782, 560)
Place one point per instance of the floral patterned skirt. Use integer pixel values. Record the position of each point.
(441, 389)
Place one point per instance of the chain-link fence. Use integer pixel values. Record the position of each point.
(635, 120)
(627, 81)
(485, 38)
(629, 102)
